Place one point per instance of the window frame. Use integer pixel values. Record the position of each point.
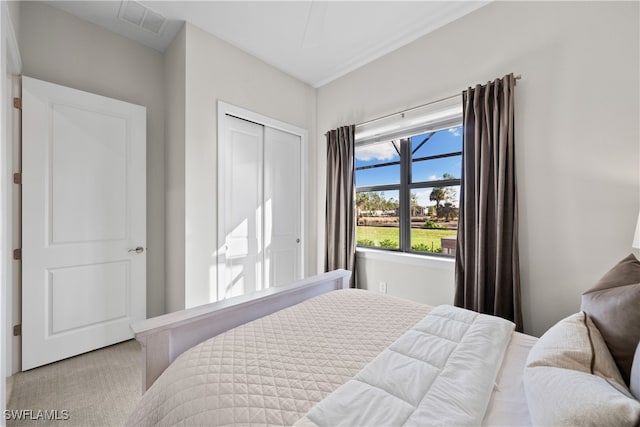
(406, 186)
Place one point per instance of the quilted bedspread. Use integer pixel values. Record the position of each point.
(272, 371)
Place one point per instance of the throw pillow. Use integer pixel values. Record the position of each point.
(613, 305)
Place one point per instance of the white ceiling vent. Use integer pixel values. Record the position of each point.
(141, 16)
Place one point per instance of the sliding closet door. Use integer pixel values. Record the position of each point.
(282, 196)
(259, 207)
(240, 268)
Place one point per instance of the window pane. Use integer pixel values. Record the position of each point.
(378, 176)
(437, 169)
(377, 164)
(440, 142)
(378, 225)
(445, 141)
(434, 219)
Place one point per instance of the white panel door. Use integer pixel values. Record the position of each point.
(240, 268)
(282, 206)
(84, 215)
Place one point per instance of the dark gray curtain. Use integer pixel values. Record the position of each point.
(487, 264)
(340, 235)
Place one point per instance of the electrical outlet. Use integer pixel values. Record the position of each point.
(382, 287)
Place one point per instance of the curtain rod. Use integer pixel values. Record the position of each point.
(518, 77)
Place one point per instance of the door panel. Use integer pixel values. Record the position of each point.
(84, 191)
(283, 265)
(241, 256)
(94, 145)
(102, 288)
(282, 198)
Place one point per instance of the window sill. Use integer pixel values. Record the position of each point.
(407, 258)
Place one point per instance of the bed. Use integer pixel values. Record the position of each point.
(336, 356)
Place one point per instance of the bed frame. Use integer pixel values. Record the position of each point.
(164, 338)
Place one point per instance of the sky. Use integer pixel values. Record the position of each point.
(444, 141)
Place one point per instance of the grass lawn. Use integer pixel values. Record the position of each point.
(428, 237)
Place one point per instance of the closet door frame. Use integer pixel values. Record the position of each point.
(226, 109)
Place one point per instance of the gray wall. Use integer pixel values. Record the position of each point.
(576, 136)
(60, 48)
(174, 81)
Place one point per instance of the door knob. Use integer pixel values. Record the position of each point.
(137, 250)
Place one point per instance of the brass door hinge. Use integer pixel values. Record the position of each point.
(17, 178)
(17, 330)
(17, 103)
(17, 254)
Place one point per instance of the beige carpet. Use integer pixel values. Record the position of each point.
(99, 388)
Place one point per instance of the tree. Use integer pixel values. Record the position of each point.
(448, 211)
(414, 204)
(449, 192)
(376, 202)
(390, 204)
(362, 202)
(437, 195)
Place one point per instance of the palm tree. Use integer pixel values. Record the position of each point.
(437, 195)
(414, 204)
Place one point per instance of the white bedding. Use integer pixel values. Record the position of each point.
(508, 405)
(274, 370)
(440, 372)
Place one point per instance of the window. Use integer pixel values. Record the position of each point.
(408, 190)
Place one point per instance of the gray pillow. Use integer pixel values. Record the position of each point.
(614, 306)
(635, 374)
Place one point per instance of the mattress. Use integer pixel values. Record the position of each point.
(272, 371)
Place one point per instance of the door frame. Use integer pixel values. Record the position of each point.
(225, 109)
(9, 150)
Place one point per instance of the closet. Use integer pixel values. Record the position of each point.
(260, 205)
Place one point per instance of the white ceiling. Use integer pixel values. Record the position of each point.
(314, 41)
